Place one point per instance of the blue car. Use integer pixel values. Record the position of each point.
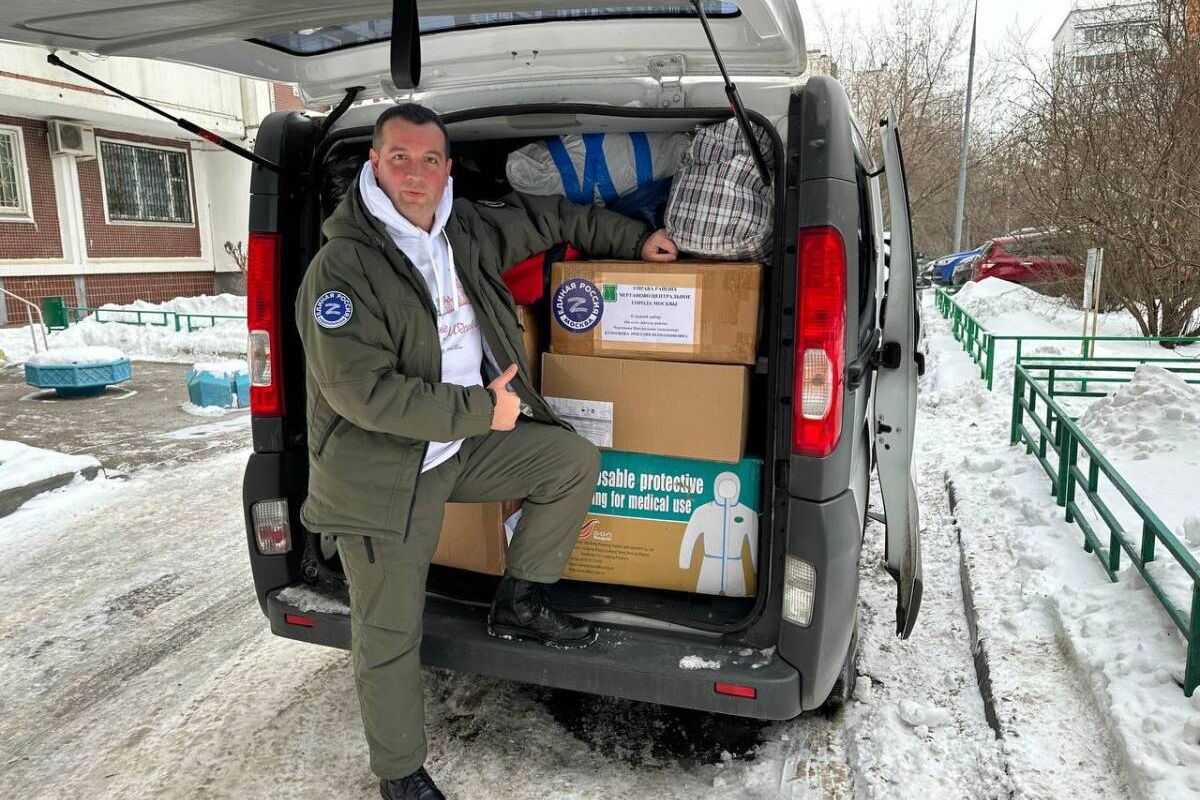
(941, 270)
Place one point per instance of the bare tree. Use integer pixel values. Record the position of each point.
(237, 253)
(913, 60)
(1109, 153)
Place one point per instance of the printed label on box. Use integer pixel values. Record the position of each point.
(592, 419)
(649, 314)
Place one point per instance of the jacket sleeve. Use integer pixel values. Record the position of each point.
(526, 224)
(353, 360)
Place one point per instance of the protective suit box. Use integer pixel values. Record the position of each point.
(662, 407)
(683, 311)
(472, 536)
(672, 523)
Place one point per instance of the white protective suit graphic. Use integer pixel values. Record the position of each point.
(724, 524)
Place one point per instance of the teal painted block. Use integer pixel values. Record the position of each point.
(78, 379)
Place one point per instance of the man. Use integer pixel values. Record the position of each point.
(402, 314)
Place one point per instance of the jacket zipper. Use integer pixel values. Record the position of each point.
(413, 502)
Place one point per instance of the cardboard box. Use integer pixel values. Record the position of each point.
(472, 536)
(702, 311)
(533, 341)
(660, 407)
(672, 523)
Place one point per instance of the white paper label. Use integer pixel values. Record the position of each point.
(592, 419)
(649, 314)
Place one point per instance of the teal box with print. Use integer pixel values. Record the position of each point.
(672, 523)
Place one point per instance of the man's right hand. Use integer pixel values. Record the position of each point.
(508, 404)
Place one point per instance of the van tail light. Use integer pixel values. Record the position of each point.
(272, 526)
(735, 690)
(263, 321)
(820, 366)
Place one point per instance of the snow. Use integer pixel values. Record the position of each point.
(16, 343)
(1085, 672)
(698, 662)
(156, 342)
(226, 368)
(205, 411)
(21, 465)
(76, 355)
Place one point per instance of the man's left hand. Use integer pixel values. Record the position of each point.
(659, 247)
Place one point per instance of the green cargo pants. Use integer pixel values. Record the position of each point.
(553, 469)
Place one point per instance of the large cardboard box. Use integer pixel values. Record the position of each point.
(672, 523)
(702, 311)
(661, 407)
(533, 341)
(472, 536)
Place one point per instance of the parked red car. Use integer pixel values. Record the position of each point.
(1026, 258)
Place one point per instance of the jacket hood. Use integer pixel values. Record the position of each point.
(354, 218)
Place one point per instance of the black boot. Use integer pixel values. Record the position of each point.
(520, 611)
(417, 786)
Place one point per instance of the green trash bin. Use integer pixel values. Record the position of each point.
(54, 313)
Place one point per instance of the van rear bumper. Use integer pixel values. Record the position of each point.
(633, 664)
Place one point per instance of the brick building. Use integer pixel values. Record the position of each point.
(102, 201)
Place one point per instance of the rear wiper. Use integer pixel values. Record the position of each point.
(187, 125)
(735, 100)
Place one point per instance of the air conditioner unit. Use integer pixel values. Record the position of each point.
(71, 139)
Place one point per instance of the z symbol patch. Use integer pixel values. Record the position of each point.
(333, 310)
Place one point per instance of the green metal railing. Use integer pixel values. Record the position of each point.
(180, 320)
(980, 344)
(1055, 435)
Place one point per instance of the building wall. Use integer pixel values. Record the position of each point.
(69, 250)
(40, 239)
(134, 240)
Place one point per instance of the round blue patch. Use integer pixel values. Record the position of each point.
(578, 305)
(333, 310)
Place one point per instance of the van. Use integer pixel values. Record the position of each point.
(505, 72)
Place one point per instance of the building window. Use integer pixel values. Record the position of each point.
(14, 177)
(145, 184)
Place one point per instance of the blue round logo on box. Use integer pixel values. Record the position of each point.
(578, 305)
(333, 310)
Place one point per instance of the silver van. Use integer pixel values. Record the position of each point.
(504, 72)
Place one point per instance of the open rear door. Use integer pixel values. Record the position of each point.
(896, 395)
(390, 46)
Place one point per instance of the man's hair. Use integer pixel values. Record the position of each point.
(410, 112)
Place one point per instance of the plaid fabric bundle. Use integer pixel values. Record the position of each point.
(719, 206)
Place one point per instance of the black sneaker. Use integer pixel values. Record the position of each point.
(417, 786)
(520, 611)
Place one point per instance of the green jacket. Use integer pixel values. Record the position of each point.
(375, 397)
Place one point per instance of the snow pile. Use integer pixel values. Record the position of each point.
(696, 662)
(21, 465)
(16, 344)
(1155, 412)
(162, 342)
(222, 305)
(227, 368)
(75, 355)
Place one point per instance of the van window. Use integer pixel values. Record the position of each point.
(311, 41)
(866, 257)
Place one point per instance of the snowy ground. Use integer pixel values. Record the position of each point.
(1100, 661)
(135, 663)
(155, 342)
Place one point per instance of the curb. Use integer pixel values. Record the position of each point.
(12, 499)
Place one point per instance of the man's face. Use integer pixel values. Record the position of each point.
(412, 167)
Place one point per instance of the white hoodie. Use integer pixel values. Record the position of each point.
(463, 347)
